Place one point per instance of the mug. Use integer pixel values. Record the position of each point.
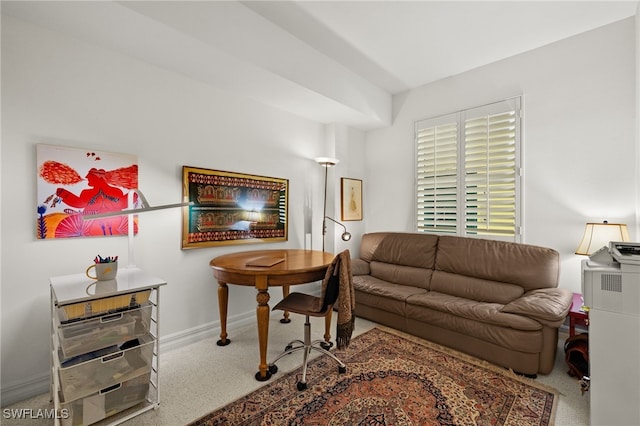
(104, 271)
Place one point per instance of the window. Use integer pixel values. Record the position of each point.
(468, 172)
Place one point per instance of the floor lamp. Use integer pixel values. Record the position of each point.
(327, 162)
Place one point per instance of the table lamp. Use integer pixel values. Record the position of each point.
(597, 235)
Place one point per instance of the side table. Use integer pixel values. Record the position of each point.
(577, 315)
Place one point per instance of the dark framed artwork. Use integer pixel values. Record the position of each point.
(232, 208)
(351, 197)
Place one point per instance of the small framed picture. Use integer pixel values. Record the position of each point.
(351, 196)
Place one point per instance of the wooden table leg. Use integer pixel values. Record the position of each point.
(262, 313)
(285, 293)
(572, 326)
(223, 300)
(327, 327)
(327, 331)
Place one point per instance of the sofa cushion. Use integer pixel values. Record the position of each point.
(526, 265)
(382, 295)
(523, 334)
(378, 287)
(475, 288)
(369, 244)
(399, 248)
(400, 274)
(548, 305)
(360, 267)
(487, 313)
(380, 303)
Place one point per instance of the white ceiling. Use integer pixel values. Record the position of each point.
(330, 61)
(400, 45)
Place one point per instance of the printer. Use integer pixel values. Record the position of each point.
(611, 290)
(611, 278)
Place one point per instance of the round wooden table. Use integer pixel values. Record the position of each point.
(261, 269)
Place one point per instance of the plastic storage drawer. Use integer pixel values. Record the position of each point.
(106, 305)
(105, 402)
(83, 336)
(88, 373)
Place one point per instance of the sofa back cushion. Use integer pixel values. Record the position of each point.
(399, 248)
(527, 266)
(476, 289)
(400, 258)
(400, 274)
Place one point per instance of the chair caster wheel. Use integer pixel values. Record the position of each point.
(342, 370)
(273, 369)
(288, 348)
(326, 345)
(302, 386)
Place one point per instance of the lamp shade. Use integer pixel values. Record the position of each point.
(346, 236)
(597, 235)
(326, 161)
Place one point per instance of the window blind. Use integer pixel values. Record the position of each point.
(467, 172)
(437, 168)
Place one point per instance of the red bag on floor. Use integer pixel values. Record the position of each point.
(576, 351)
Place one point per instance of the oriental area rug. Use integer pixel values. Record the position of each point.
(394, 379)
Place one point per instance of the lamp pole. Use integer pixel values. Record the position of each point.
(324, 212)
(326, 163)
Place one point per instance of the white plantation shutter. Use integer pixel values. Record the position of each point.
(467, 172)
(437, 168)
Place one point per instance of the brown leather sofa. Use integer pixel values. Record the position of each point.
(495, 300)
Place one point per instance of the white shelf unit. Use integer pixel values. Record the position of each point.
(104, 347)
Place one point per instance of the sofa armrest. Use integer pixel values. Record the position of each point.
(550, 306)
(360, 267)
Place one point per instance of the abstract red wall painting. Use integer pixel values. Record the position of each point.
(74, 182)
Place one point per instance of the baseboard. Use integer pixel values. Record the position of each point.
(39, 384)
(25, 389)
(204, 331)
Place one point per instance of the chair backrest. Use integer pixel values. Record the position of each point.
(332, 288)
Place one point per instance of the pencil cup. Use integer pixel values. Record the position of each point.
(103, 271)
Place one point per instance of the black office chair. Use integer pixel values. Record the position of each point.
(309, 306)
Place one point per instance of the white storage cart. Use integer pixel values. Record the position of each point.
(104, 347)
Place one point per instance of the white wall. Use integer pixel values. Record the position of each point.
(579, 138)
(637, 52)
(350, 145)
(63, 91)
